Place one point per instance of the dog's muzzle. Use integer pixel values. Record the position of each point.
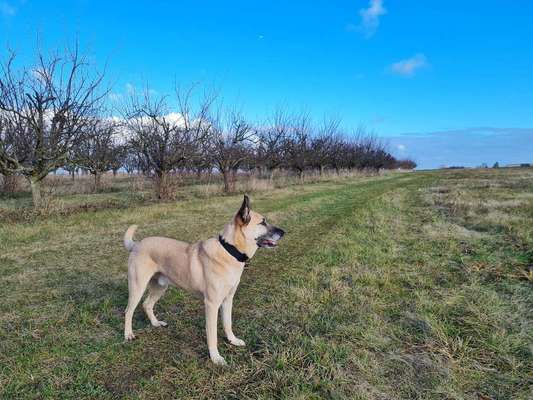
(271, 238)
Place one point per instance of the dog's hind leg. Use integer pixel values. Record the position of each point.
(156, 289)
(139, 274)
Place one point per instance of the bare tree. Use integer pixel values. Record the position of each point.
(5, 140)
(229, 140)
(100, 150)
(323, 145)
(339, 151)
(166, 141)
(297, 145)
(70, 166)
(47, 108)
(331, 148)
(372, 153)
(408, 163)
(132, 162)
(272, 139)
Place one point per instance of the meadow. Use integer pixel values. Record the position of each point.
(399, 286)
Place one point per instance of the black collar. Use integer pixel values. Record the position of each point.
(241, 257)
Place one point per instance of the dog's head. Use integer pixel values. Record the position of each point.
(253, 228)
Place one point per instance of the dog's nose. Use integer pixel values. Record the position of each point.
(280, 232)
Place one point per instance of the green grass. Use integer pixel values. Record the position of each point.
(404, 286)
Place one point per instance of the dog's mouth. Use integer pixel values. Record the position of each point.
(267, 242)
(270, 239)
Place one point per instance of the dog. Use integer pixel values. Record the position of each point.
(211, 268)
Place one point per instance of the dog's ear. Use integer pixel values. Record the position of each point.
(243, 215)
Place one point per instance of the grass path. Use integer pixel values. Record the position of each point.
(357, 302)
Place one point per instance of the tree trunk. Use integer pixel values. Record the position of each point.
(36, 198)
(233, 179)
(227, 181)
(271, 175)
(97, 181)
(161, 186)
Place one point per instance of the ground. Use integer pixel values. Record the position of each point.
(404, 286)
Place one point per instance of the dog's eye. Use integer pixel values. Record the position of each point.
(263, 222)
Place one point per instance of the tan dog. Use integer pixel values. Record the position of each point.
(211, 267)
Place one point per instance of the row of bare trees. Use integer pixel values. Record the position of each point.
(54, 116)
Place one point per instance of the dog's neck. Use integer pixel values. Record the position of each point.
(234, 251)
(233, 236)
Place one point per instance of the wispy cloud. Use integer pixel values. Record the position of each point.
(468, 147)
(130, 89)
(408, 67)
(6, 9)
(115, 96)
(370, 17)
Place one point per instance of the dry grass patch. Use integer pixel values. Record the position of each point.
(446, 230)
(359, 300)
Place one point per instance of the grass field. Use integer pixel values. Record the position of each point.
(405, 286)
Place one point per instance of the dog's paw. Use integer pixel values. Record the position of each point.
(129, 336)
(218, 360)
(237, 342)
(159, 323)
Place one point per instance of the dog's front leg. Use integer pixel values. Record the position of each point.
(227, 306)
(211, 316)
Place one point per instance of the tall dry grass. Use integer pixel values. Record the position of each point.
(63, 194)
(11, 183)
(212, 185)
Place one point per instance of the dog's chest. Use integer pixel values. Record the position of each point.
(233, 275)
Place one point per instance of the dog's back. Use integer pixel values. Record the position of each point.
(157, 247)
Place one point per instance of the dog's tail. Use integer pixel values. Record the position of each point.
(129, 243)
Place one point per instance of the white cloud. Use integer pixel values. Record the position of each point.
(7, 9)
(409, 66)
(401, 147)
(130, 89)
(370, 17)
(175, 118)
(115, 96)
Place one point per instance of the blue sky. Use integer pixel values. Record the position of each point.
(445, 82)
